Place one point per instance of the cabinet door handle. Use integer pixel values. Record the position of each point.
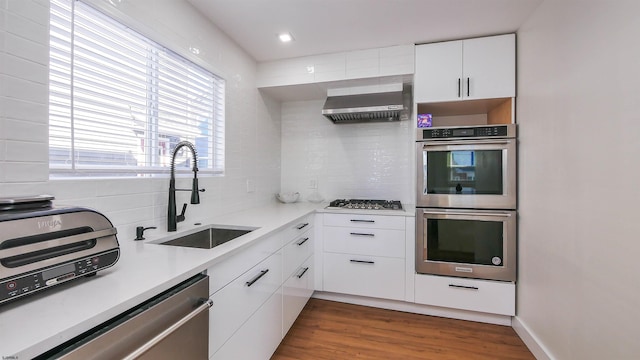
(299, 276)
(302, 241)
(459, 90)
(362, 261)
(362, 234)
(252, 281)
(463, 287)
(300, 227)
(468, 91)
(364, 221)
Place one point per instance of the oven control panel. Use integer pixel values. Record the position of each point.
(28, 283)
(473, 132)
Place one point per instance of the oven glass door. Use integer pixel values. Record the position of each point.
(467, 174)
(474, 242)
(467, 243)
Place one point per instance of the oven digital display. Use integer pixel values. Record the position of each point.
(463, 132)
(55, 272)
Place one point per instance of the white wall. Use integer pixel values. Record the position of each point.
(252, 121)
(366, 160)
(579, 128)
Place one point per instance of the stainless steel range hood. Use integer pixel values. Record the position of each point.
(381, 106)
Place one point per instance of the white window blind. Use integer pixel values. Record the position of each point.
(119, 102)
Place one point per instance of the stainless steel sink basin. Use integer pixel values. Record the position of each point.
(209, 238)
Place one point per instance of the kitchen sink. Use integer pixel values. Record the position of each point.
(210, 237)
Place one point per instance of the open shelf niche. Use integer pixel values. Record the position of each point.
(470, 112)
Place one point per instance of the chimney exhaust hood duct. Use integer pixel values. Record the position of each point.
(372, 107)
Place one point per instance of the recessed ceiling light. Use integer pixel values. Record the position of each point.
(285, 37)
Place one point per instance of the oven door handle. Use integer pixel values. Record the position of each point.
(465, 213)
(467, 142)
(19, 250)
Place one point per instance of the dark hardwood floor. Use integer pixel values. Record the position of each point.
(333, 330)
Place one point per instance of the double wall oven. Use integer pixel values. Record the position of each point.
(466, 202)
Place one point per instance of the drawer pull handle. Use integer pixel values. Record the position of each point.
(252, 281)
(302, 241)
(463, 287)
(362, 234)
(364, 221)
(362, 261)
(302, 226)
(299, 276)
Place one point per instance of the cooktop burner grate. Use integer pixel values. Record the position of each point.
(365, 204)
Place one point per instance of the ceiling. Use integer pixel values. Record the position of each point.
(328, 26)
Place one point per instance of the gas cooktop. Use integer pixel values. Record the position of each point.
(365, 204)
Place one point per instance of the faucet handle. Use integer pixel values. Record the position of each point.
(181, 217)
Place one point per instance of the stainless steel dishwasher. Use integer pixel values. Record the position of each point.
(172, 325)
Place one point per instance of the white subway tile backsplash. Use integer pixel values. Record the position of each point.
(24, 131)
(21, 188)
(130, 216)
(25, 171)
(17, 88)
(68, 189)
(370, 160)
(27, 49)
(3, 16)
(25, 69)
(29, 10)
(17, 109)
(19, 26)
(3, 55)
(23, 151)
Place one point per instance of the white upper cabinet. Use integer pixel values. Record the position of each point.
(482, 68)
(352, 65)
(438, 74)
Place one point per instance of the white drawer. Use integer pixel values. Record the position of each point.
(223, 273)
(493, 297)
(373, 276)
(363, 241)
(296, 292)
(234, 303)
(298, 227)
(259, 337)
(297, 251)
(365, 221)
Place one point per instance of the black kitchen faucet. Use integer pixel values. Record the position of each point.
(172, 218)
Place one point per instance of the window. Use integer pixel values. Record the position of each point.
(119, 102)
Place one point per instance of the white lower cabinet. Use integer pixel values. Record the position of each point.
(486, 296)
(259, 337)
(374, 276)
(296, 291)
(364, 255)
(259, 289)
(235, 303)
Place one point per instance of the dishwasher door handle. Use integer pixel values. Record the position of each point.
(168, 331)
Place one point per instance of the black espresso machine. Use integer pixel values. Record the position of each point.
(42, 245)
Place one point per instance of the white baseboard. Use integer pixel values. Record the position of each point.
(529, 339)
(416, 308)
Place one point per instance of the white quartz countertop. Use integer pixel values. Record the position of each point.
(37, 323)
